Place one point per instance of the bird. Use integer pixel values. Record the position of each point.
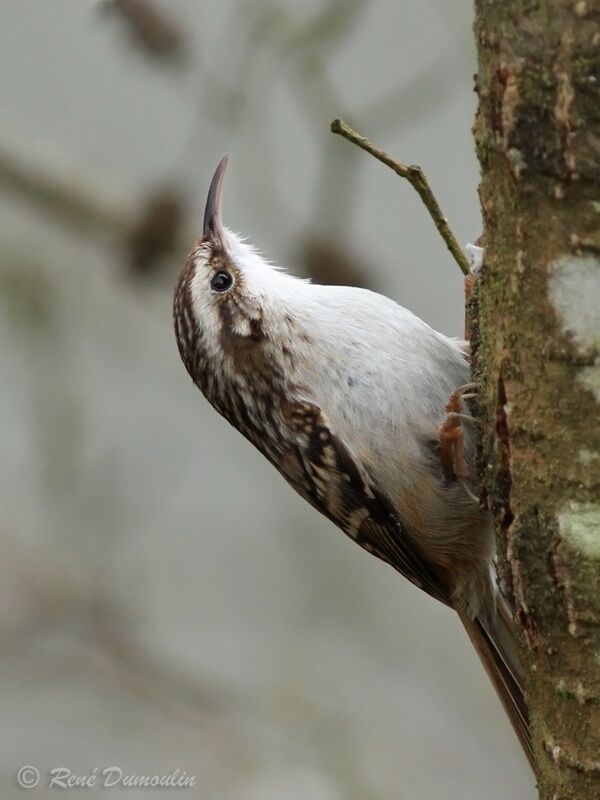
(345, 391)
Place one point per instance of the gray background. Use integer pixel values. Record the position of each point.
(166, 601)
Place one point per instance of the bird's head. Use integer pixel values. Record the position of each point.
(228, 299)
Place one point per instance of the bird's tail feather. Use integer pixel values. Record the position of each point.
(495, 644)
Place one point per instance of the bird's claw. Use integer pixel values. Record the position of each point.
(452, 454)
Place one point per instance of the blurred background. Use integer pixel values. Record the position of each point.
(166, 600)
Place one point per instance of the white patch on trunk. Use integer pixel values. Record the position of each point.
(574, 291)
(589, 377)
(579, 525)
(475, 256)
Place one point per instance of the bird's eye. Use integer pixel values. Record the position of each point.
(221, 281)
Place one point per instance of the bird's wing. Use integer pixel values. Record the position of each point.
(323, 470)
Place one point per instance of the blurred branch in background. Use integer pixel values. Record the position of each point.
(329, 27)
(328, 263)
(156, 233)
(150, 29)
(273, 31)
(148, 234)
(307, 53)
(72, 201)
(153, 232)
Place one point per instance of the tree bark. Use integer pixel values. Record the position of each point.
(535, 314)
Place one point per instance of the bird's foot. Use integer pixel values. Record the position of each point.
(452, 454)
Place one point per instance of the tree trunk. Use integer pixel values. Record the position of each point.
(536, 340)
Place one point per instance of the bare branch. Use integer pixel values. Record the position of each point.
(416, 177)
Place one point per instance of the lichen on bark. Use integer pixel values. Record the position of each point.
(536, 352)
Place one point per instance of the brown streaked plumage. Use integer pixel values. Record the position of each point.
(344, 392)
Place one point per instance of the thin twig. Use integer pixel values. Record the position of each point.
(416, 177)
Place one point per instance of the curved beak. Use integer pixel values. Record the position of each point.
(213, 222)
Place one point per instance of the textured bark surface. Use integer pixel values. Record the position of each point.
(536, 347)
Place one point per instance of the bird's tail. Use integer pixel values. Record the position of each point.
(496, 646)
